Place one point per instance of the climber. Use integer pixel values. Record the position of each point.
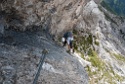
(68, 39)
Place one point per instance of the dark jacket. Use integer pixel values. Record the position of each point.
(67, 34)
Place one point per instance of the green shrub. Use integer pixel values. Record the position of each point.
(95, 60)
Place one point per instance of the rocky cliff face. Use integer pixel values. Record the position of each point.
(99, 35)
(103, 33)
(57, 15)
(19, 61)
(24, 32)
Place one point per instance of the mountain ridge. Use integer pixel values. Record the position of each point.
(99, 39)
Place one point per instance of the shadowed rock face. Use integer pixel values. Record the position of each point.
(2, 23)
(20, 54)
(57, 15)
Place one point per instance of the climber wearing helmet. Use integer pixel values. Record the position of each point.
(68, 39)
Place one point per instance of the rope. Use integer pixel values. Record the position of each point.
(44, 52)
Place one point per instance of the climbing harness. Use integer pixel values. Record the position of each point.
(44, 52)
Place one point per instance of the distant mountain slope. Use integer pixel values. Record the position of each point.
(115, 6)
